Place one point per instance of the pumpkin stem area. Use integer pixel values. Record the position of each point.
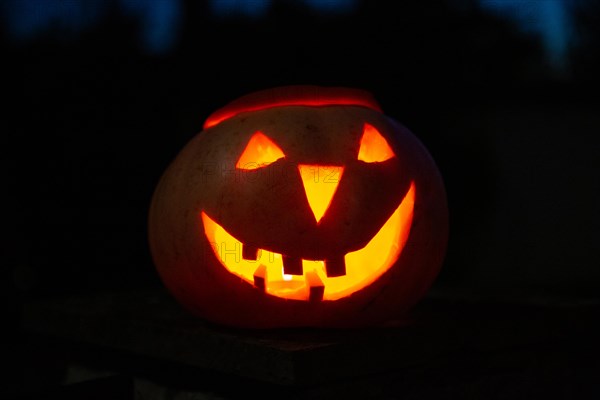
(295, 95)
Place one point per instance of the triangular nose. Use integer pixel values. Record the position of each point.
(320, 184)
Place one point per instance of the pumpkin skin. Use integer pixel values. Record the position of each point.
(267, 207)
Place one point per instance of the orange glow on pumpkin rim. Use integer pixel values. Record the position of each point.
(293, 96)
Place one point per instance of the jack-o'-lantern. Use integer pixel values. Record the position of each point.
(300, 206)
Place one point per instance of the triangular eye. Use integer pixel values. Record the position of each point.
(373, 146)
(259, 152)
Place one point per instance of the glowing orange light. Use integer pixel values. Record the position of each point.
(320, 184)
(363, 266)
(260, 151)
(313, 96)
(373, 146)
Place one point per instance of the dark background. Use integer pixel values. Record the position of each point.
(100, 96)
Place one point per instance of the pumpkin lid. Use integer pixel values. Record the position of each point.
(298, 95)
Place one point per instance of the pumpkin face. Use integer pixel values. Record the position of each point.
(300, 206)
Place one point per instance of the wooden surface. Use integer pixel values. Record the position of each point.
(442, 330)
(151, 324)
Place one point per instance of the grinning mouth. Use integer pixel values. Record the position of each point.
(314, 280)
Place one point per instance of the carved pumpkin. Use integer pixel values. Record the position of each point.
(300, 206)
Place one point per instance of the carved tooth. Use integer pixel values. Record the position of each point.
(292, 265)
(317, 288)
(335, 266)
(249, 252)
(260, 277)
